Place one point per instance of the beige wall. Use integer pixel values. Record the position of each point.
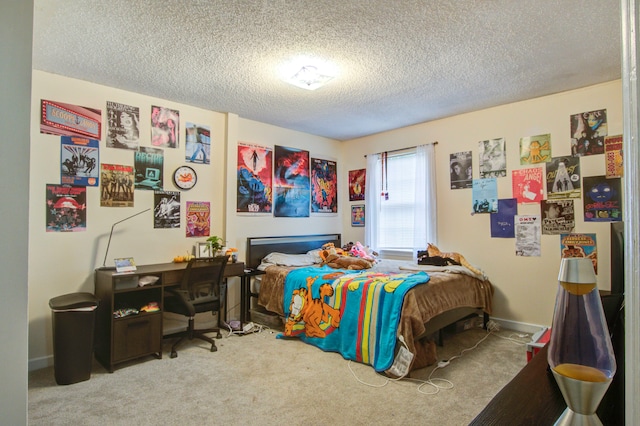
(524, 286)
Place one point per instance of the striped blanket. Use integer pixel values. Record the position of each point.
(355, 313)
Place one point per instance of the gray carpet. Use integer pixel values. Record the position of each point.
(258, 379)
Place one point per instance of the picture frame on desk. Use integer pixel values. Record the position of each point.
(202, 250)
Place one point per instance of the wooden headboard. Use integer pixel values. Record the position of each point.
(259, 247)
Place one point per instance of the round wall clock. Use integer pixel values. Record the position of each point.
(185, 177)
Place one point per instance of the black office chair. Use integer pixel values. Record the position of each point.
(199, 292)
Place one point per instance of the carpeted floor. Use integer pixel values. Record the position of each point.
(258, 379)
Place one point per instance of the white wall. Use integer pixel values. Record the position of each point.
(524, 286)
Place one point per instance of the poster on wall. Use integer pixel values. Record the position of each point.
(602, 199)
(57, 118)
(502, 221)
(291, 182)
(493, 158)
(198, 218)
(123, 126)
(563, 178)
(324, 186)
(197, 143)
(79, 159)
(485, 195)
(528, 233)
(580, 245)
(535, 149)
(148, 163)
(357, 215)
(527, 185)
(557, 216)
(166, 209)
(613, 156)
(165, 127)
(357, 182)
(588, 130)
(255, 164)
(461, 170)
(116, 185)
(66, 208)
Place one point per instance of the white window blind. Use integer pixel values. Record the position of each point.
(396, 219)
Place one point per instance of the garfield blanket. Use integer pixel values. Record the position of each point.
(355, 313)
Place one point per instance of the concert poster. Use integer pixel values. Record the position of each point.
(66, 208)
(197, 143)
(255, 165)
(116, 185)
(357, 182)
(602, 199)
(166, 209)
(149, 167)
(493, 158)
(165, 127)
(123, 126)
(588, 130)
(558, 216)
(57, 118)
(324, 186)
(527, 230)
(502, 221)
(198, 218)
(580, 245)
(527, 185)
(535, 149)
(485, 195)
(563, 178)
(461, 170)
(291, 182)
(79, 159)
(613, 156)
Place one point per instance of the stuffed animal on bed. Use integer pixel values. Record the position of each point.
(337, 261)
(434, 251)
(328, 249)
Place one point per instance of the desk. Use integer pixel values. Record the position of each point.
(123, 339)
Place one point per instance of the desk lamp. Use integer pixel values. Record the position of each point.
(580, 352)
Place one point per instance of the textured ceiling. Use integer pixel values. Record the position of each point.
(398, 62)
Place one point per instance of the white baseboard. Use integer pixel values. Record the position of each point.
(521, 327)
(40, 363)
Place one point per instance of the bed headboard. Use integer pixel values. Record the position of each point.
(259, 247)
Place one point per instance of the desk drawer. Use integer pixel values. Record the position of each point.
(137, 336)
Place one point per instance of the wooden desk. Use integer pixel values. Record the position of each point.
(122, 339)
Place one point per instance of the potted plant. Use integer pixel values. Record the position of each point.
(215, 245)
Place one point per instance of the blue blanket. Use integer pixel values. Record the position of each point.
(355, 313)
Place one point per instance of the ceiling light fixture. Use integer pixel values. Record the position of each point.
(308, 77)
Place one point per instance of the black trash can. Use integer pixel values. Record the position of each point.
(73, 317)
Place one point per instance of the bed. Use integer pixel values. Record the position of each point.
(442, 296)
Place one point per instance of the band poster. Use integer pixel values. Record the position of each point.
(557, 216)
(357, 183)
(493, 158)
(613, 156)
(324, 186)
(166, 210)
(148, 163)
(527, 185)
(535, 149)
(563, 178)
(123, 126)
(602, 199)
(580, 245)
(165, 127)
(485, 195)
(116, 185)
(198, 218)
(528, 233)
(461, 170)
(62, 119)
(291, 183)
(66, 208)
(255, 165)
(79, 159)
(502, 221)
(588, 130)
(197, 143)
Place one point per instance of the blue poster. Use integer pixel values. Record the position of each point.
(502, 220)
(485, 195)
(79, 161)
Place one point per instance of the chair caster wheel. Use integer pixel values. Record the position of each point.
(174, 354)
(214, 348)
(219, 335)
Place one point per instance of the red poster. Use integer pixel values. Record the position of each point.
(357, 182)
(527, 185)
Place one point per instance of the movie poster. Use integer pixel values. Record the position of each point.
(57, 118)
(66, 208)
(357, 215)
(166, 210)
(502, 221)
(198, 218)
(485, 195)
(613, 156)
(116, 185)
(291, 183)
(557, 216)
(357, 182)
(588, 130)
(123, 126)
(148, 163)
(461, 170)
(527, 230)
(165, 127)
(79, 159)
(198, 143)
(527, 185)
(563, 178)
(493, 158)
(580, 245)
(255, 164)
(602, 199)
(324, 186)
(535, 149)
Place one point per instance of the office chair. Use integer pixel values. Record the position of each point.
(199, 291)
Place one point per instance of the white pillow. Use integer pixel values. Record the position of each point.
(284, 259)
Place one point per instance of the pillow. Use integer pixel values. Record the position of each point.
(284, 259)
